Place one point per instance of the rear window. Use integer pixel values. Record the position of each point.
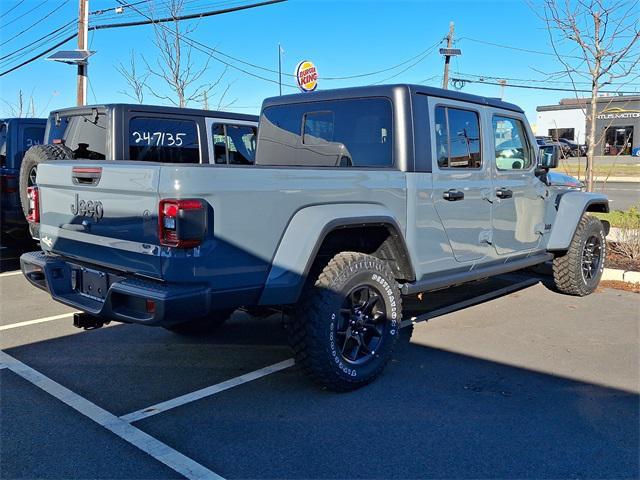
(347, 133)
(85, 134)
(164, 140)
(234, 144)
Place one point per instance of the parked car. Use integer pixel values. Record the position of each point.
(572, 148)
(358, 197)
(17, 135)
(141, 132)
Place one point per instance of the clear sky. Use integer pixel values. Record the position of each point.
(342, 38)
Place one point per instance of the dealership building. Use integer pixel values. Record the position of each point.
(617, 122)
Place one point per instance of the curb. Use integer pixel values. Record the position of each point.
(627, 276)
(617, 179)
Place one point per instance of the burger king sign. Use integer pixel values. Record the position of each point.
(307, 76)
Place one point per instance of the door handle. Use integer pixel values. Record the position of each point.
(453, 195)
(503, 193)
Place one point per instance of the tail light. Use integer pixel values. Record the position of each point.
(34, 205)
(182, 223)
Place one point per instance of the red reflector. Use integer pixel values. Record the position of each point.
(58, 141)
(151, 306)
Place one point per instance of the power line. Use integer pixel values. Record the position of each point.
(13, 37)
(462, 81)
(183, 17)
(40, 55)
(531, 80)
(11, 9)
(159, 22)
(21, 49)
(25, 13)
(210, 51)
(428, 52)
(538, 52)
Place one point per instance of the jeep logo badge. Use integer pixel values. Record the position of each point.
(90, 208)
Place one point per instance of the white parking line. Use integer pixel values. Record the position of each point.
(37, 320)
(205, 392)
(145, 442)
(10, 274)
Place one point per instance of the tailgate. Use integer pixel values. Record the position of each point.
(104, 213)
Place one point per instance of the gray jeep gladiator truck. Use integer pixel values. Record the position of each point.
(357, 197)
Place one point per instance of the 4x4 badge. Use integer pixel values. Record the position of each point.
(87, 208)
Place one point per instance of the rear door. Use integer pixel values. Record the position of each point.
(102, 213)
(461, 178)
(519, 196)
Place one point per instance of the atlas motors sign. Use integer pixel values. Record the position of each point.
(615, 112)
(307, 76)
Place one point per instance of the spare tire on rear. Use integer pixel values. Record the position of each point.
(29, 167)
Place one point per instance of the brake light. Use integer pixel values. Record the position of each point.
(181, 223)
(34, 205)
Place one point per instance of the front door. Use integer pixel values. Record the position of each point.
(518, 195)
(461, 178)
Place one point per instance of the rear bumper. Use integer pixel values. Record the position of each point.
(127, 299)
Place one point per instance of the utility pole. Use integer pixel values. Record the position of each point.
(280, 68)
(502, 83)
(83, 35)
(447, 58)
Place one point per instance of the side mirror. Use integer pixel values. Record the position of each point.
(548, 156)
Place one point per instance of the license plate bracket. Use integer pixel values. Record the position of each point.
(94, 283)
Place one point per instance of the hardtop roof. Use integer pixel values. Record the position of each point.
(388, 91)
(134, 107)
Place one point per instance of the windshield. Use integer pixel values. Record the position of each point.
(85, 134)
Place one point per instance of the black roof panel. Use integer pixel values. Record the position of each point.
(134, 107)
(388, 91)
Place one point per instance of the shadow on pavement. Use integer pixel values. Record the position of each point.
(432, 414)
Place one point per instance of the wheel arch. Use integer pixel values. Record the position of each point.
(318, 232)
(571, 206)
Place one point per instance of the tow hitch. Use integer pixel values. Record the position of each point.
(86, 321)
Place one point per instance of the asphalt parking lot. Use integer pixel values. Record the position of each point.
(531, 384)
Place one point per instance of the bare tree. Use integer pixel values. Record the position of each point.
(176, 65)
(137, 81)
(596, 40)
(21, 108)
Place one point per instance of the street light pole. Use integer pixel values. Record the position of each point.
(83, 67)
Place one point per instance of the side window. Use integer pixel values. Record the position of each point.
(513, 151)
(234, 144)
(337, 133)
(457, 138)
(165, 140)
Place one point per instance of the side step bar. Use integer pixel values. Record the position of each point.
(527, 282)
(437, 282)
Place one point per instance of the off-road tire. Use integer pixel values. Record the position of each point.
(313, 325)
(34, 156)
(202, 326)
(567, 269)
